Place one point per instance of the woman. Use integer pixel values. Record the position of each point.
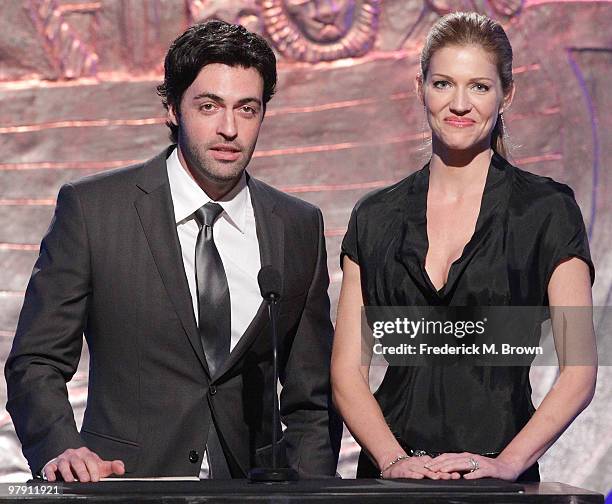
(467, 229)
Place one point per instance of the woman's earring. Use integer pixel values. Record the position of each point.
(505, 134)
(425, 127)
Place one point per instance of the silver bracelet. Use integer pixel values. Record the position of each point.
(399, 458)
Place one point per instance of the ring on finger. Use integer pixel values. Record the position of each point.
(474, 464)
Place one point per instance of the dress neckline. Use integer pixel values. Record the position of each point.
(496, 175)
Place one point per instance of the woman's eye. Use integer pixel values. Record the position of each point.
(481, 87)
(441, 84)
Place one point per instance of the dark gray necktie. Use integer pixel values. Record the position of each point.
(214, 311)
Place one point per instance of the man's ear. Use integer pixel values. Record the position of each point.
(508, 98)
(418, 87)
(172, 115)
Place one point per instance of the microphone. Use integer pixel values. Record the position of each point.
(270, 284)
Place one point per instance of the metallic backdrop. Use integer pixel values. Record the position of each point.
(77, 96)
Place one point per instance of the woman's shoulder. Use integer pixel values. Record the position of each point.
(529, 183)
(387, 198)
(541, 194)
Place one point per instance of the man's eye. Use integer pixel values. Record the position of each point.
(441, 84)
(247, 109)
(207, 107)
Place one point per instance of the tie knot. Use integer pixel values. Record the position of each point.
(207, 214)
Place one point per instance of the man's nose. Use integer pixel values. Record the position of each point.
(460, 103)
(227, 127)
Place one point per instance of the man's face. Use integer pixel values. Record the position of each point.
(220, 116)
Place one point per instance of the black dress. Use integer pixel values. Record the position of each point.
(527, 224)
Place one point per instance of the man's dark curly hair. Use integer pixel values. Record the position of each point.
(213, 42)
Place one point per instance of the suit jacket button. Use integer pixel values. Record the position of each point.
(213, 390)
(194, 456)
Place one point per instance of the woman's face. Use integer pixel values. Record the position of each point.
(463, 96)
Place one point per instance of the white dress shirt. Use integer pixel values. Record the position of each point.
(235, 236)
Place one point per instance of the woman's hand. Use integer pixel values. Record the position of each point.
(476, 466)
(415, 468)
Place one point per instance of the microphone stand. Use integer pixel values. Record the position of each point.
(273, 474)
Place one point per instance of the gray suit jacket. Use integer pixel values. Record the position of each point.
(110, 267)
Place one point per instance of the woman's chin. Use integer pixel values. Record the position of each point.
(461, 144)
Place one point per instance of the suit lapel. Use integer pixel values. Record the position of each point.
(270, 227)
(156, 213)
(271, 237)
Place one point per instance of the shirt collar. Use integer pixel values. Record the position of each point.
(188, 196)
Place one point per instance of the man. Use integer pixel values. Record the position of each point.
(157, 265)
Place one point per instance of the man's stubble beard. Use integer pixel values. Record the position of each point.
(218, 172)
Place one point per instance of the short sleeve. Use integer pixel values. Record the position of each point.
(350, 243)
(566, 235)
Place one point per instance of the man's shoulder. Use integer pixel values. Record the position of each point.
(287, 203)
(115, 178)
